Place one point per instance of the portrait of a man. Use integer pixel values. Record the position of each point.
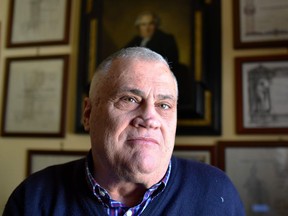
(165, 30)
(151, 36)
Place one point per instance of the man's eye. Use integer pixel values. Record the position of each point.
(130, 99)
(165, 106)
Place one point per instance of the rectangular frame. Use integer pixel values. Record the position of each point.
(40, 159)
(205, 154)
(34, 102)
(253, 26)
(35, 23)
(261, 94)
(259, 170)
(200, 85)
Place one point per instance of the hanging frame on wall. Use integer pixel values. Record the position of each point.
(196, 31)
(259, 24)
(202, 153)
(259, 171)
(261, 88)
(34, 101)
(40, 159)
(38, 23)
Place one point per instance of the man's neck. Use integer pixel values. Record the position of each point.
(128, 194)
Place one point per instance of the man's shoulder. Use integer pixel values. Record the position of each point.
(53, 175)
(197, 188)
(198, 170)
(55, 190)
(193, 174)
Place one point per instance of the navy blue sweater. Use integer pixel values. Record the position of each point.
(193, 189)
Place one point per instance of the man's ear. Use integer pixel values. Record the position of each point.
(86, 114)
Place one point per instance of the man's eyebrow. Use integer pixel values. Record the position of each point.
(168, 96)
(142, 94)
(132, 90)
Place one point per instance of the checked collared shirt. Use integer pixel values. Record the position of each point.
(115, 208)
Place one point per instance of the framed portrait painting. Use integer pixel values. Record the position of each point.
(186, 33)
(38, 23)
(259, 170)
(40, 159)
(261, 94)
(34, 102)
(260, 23)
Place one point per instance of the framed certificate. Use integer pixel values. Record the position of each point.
(260, 23)
(40, 159)
(205, 154)
(35, 96)
(259, 171)
(37, 22)
(261, 94)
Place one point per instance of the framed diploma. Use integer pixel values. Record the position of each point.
(259, 171)
(260, 23)
(40, 159)
(205, 154)
(35, 96)
(261, 95)
(37, 22)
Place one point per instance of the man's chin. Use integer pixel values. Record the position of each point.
(148, 165)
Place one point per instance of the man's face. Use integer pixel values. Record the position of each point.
(133, 124)
(147, 26)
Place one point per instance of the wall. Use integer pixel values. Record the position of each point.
(13, 150)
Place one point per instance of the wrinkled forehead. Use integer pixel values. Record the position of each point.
(142, 72)
(139, 67)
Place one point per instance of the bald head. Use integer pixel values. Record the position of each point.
(105, 75)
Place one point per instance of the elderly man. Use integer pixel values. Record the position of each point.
(131, 117)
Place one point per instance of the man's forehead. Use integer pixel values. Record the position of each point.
(141, 74)
(138, 66)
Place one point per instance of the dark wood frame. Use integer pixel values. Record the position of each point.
(238, 44)
(61, 132)
(223, 146)
(204, 114)
(240, 129)
(195, 148)
(57, 153)
(66, 29)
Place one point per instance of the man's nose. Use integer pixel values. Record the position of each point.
(147, 117)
